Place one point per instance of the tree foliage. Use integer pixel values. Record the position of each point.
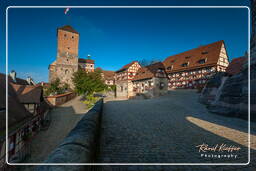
(145, 62)
(56, 88)
(88, 83)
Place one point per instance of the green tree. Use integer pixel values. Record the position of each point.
(55, 88)
(88, 83)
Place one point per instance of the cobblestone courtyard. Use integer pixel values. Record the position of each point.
(167, 129)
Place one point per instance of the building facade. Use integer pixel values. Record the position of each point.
(192, 69)
(67, 61)
(86, 64)
(108, 77)
(123, 79)
(151, 80)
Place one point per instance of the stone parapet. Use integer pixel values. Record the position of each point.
(60, 99)
(80, 146)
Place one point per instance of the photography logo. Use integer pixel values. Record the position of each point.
(218, 151)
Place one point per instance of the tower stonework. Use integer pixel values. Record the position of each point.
(66, 62)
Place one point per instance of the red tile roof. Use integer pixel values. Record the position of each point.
(236, 65)
(90, 61)
(28, 93)
(108, 75)
(68, 28)
(209, 52)
(149, 71)
(125, 67)
(16, 111)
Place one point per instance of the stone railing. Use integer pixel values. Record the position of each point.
(80, 146)
(57, 100)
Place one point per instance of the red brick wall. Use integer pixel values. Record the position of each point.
(67, 42)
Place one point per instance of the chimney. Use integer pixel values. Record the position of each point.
(30, 81)
(13, 75)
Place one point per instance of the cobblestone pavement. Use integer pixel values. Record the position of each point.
(167, 129)
(63, 119)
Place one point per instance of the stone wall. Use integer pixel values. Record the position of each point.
(159, 87)
(80, 146)
(231, 99)
(122, 89)
(60, 99)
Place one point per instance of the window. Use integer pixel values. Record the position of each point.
(72, 37)
(185, 64)
(65, 35)
(202, 61)
(204, 52)
(170, 67)
(187, 57)
(66, 71)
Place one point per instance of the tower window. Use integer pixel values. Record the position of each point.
(65, 35)
(72, 37)
(66, 71)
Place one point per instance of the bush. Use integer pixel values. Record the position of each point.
(56, 88)
(90, 101)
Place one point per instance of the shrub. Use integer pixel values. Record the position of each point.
(55, 88)
(90, 101)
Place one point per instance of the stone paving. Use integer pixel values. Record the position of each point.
(167, 129)
(63, 119)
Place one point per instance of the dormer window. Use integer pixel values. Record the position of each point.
(160, 70)
(202, 61)
(204, 52)
(187, 57)
(170, 68)
(185, 64)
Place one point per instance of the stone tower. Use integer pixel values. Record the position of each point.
(67, 56)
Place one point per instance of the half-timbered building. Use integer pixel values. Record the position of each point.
(151, 80)
(86, 64)
(123, 79)
(191, 69)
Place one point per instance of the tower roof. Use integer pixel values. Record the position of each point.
(68, 28)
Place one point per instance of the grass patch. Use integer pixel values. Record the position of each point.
(90, 101)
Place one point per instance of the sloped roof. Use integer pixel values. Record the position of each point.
(68, 28)
(108, 75)
(125, 67)
(18, 80)
(149, 71)
(209, 52)
(16, 111)
(89, 61)
(28, 93)
(236, 65)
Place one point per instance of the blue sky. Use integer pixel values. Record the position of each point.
(115, 37)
